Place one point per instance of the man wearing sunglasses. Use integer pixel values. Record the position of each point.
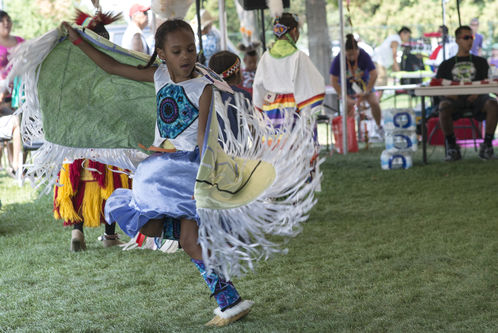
(466, 67)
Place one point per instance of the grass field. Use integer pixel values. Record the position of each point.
(383, 251)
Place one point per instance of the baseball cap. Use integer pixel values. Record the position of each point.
(138, 8)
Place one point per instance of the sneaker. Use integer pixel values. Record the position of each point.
(453, 153)
(486, 152)
(380, 133)
(377, 135)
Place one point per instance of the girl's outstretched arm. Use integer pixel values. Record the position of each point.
(107, 63)
(204, 105)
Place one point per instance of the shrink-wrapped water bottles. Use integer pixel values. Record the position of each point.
(400, 139)
(395, 159)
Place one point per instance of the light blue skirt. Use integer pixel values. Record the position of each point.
(163, 186)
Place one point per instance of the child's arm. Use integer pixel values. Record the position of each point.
(204, 105)
(107, 63)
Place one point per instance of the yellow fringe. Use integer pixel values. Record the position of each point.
(91, 207)
(64, 195)
(109, 184)
(124, 179)
(56, 213)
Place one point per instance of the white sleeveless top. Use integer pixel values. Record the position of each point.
(193, 88)
(383, 54)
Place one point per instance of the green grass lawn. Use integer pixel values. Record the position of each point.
(383, 251)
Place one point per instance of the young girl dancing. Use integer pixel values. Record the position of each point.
(244, 191)
(164, 182)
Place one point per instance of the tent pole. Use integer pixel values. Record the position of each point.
(458, 10)
(263, 36)
(344, 112)
(223, 21)
(199, 29)
(445, 35)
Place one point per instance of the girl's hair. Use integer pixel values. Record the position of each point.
(162, 32)
(225, 63)
(286, 20)
(3, 14)
(351, 43)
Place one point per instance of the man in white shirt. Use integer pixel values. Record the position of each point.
(385, 54)
(133, 38)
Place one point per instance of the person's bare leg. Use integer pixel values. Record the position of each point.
(188, 239)
(153, 228)
(10, 149)
(375, 108)
(491, 109)
(17, 147)
(446, 118)
(350, 102)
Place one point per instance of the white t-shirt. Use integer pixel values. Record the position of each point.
(383, 54)
(193, 89)
(130, 32)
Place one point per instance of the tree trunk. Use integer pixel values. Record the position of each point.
(318, 36)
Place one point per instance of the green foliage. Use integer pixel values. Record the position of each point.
(32, 18)
(376, 19)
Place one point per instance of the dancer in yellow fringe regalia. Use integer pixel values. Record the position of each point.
(80, 195)
(84, 185)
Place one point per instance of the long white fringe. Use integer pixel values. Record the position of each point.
(47, 160)
(24, 62)
(232, 240)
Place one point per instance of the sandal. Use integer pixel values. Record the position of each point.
(110, 240)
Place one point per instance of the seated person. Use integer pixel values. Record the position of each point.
(9, 130)
(9, 124)
(361, 76)
(466, 67)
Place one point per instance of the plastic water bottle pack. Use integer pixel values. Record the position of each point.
(399, 119)
(395, 159)
(400, 138)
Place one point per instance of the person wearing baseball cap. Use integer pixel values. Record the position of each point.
(133, 37)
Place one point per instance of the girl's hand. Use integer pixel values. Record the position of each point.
(72, 34)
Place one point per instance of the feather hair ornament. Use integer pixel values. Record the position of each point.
(168, 9)
(87, 21)
(276, 7)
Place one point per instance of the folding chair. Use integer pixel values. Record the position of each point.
(476, 133)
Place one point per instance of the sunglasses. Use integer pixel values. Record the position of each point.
(467, 37)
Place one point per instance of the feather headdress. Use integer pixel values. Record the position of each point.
(169, 9)
(276, 7)
(91, 22)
